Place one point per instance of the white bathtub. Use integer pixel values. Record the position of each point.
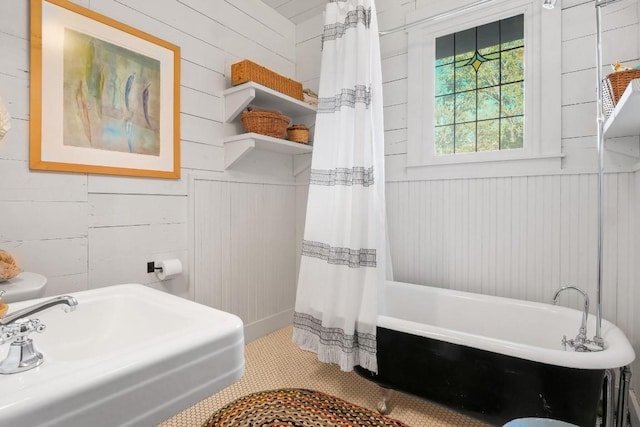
(517, 328)
(495, 359)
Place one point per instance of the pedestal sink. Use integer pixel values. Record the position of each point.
(127, 356)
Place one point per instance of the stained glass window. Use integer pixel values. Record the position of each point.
(479, 89)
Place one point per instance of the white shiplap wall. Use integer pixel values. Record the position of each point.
(516, 236)
(87, 231)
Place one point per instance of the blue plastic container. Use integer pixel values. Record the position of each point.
(537, 422)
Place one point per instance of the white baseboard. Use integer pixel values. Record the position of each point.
(634, 409)
(262, 327)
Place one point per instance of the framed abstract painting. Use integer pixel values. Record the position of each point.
(105, 97)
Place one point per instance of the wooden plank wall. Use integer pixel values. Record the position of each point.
(516, 236)
(87, 231)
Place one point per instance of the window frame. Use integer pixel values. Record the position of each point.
(542, 133)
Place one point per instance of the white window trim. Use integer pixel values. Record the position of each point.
(542, 152)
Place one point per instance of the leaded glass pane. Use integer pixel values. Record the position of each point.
(489, 74)
(465, 138)
(465, 44)
(465, 107)
(444, 80)
(488, 38)
(444, 140)
(445, 110)
(489, 103)
(489, 135)
(444, 50)
(511, 132)
(512, 63)
(512, 32)
(465, 76)
(512, 97)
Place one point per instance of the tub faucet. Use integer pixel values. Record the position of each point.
(580, 343)
(16, 327)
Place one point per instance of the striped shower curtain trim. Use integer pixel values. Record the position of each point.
(335, 337)
(346, 98)
(360, 15)
(353, 258)
(343, 176)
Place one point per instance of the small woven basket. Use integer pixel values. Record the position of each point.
(298, 133)
(619, 81)
(9, 267)
(264, 122)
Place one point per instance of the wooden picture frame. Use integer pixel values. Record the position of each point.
(105, 97)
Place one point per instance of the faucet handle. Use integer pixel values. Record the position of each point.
(20, 329)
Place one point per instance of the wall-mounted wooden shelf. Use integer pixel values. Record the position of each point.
(238, 146)
(237, 98)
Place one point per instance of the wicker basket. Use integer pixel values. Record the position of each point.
(298, 133)
(619, 81)
(8, 266)
(244, 71)
(264, 122)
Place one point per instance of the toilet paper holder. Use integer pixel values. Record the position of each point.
(151, 267)
(166, 269)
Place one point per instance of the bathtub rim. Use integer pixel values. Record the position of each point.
(618, 353)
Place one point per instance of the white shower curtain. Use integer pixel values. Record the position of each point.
(344, 247)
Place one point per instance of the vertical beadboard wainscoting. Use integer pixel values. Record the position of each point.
(520, 237)
(245, 251)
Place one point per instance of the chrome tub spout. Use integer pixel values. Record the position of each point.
(582, 335)
(581, 342)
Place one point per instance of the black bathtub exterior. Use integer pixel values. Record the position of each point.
(491, 387)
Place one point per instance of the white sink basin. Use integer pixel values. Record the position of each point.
(128, 355)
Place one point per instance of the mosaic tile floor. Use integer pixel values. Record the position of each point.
(275, 362)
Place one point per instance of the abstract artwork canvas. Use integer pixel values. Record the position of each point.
(104, 96)
(111, 96)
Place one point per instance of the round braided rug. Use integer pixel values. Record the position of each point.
(294, 407)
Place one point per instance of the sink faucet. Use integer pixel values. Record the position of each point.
(581, 343)
(16, 327)
(70, 303)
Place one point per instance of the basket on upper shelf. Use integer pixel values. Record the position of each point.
(618, 82)
(265, 122)
(245, 71)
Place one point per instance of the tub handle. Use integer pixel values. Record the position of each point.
(564, 342)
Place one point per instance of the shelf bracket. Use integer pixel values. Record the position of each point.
(235, 150)
(301, 162)
(235, 102)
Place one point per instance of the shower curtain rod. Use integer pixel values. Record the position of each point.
(599, 3)
(435, 17)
